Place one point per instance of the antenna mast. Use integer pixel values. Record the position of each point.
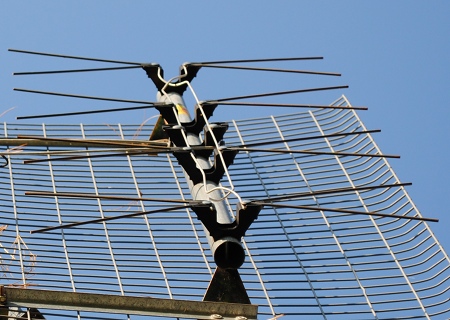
(223, 229)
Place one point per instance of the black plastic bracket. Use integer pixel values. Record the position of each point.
(245, 216)
(168, 113)
(213, 174)
(156, 73)
(196, 125)
(175, 133)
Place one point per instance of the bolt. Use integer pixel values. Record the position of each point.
(216, 316)
(241, 318)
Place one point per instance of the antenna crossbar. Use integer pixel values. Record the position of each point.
(104, 197)
(280, 93)
(272, 70)
(252, 60)
(77, 113)
(73, 57)
(32, 298)
(282, 105)
(73, 70)
(369, 213)
(83, 97)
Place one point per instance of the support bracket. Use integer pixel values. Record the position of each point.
(245, 216)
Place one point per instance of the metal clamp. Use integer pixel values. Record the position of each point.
(227, 249)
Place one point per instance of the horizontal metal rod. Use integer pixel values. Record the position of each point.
(252, 60)
(152, 151)
(130, 215)
(134, 146)
(283, 105)
(82, 152)
(157, 147)
(73, 57)
(156, 150)
(49, 142)
(369, 213)
(60, 300)
(272, 70)
(308, 138)
(316, 152)
(103, 197)
(77, 113)
(35, 141)
(85, 97)
(72, 71)
(333, 191)
(105, 142)
(281, 93)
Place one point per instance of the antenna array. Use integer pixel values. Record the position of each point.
(300, 214)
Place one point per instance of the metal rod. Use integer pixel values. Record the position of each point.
(44, 141)
(130, 215)
(316, 152)
(281, 93)
(60, 300)
(77, 113)
(87, 142)
(72, 71)
(273, 70)
(369, 213)
(308, 138)
(74, 152)
(81, 96)
(140, 152)
(284, 105)
(72, 57)
(156, 150)
(253, 60)
(332, 191)
(105, 197)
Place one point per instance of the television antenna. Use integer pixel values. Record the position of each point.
(296, 215)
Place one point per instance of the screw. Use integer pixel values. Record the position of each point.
(216, 316)
(241, 318)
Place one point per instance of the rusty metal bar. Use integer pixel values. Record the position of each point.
(61, 142)
(32, 298)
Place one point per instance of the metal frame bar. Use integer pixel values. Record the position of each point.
(31, 298)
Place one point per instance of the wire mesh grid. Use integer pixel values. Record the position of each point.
(318, 263)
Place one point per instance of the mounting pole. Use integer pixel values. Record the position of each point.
(223, 230)
(228, 252)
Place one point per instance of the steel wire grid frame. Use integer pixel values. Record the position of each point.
(310, 263)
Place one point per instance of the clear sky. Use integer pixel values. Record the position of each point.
(394, 55)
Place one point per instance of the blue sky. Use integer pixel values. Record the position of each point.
(395, 56)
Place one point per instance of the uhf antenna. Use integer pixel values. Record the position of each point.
(297, 207)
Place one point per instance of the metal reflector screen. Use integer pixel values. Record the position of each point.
(317, 263)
